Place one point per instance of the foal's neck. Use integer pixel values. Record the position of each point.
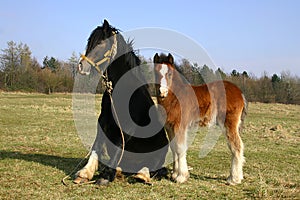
(178, 85)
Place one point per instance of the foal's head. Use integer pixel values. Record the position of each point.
(164, 71)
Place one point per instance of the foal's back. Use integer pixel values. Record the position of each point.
(220, 101)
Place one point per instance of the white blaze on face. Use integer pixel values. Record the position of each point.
(163, 83)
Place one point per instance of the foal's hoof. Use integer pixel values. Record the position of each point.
(174, 176)
(181, 179)
(231, 181)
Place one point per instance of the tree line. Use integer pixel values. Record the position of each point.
(283, 88)
(20, 71)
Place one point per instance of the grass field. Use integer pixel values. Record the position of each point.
(39, 146)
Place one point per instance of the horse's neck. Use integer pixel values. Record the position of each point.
(116, 70)
(119, 66)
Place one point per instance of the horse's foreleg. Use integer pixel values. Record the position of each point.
(88, 171)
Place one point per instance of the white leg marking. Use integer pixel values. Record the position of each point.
(237, 161)
(182, 174)
(90, 168)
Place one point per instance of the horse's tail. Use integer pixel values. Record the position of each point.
(244, 113)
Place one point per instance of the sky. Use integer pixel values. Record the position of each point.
(257, 36)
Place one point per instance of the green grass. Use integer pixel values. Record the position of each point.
(39, 146)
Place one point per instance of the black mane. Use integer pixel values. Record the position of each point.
(106, 31)
(98, 35)
(125, 59)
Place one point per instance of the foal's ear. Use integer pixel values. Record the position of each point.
(156, 58)
(170, 59)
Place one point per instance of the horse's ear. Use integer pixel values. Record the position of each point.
(105, 25)
(156, 58)
(170, 59)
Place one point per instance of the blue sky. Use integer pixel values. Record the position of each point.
(255, 36)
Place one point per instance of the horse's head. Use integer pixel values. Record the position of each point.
(101, 49)
(164, 71)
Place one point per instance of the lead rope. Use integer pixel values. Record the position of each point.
(109, 88)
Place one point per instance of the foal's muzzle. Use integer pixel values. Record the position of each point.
(163, 91)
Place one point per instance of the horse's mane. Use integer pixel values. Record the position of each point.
(106, 31)
(98, 35)
(125, 49)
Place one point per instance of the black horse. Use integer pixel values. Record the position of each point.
(129, 146)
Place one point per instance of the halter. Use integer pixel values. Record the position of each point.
(108, 55)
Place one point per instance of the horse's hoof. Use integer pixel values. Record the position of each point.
(144, 176)
(159, 174)
(102, 181)
(80, 180)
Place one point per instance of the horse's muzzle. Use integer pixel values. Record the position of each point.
(81, 71)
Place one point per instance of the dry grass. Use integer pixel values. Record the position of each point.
(39, 145)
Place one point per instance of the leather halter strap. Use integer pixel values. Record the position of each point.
(108, 55)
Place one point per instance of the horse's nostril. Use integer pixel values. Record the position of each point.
(79, 67)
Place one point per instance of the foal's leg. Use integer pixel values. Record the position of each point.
(181, 149)
(236, 147)
(171, 136)
(175, 160)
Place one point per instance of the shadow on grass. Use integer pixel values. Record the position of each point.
(72, 165)
(206, 178)
(67, 165)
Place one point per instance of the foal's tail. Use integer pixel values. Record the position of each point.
(244, 113)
